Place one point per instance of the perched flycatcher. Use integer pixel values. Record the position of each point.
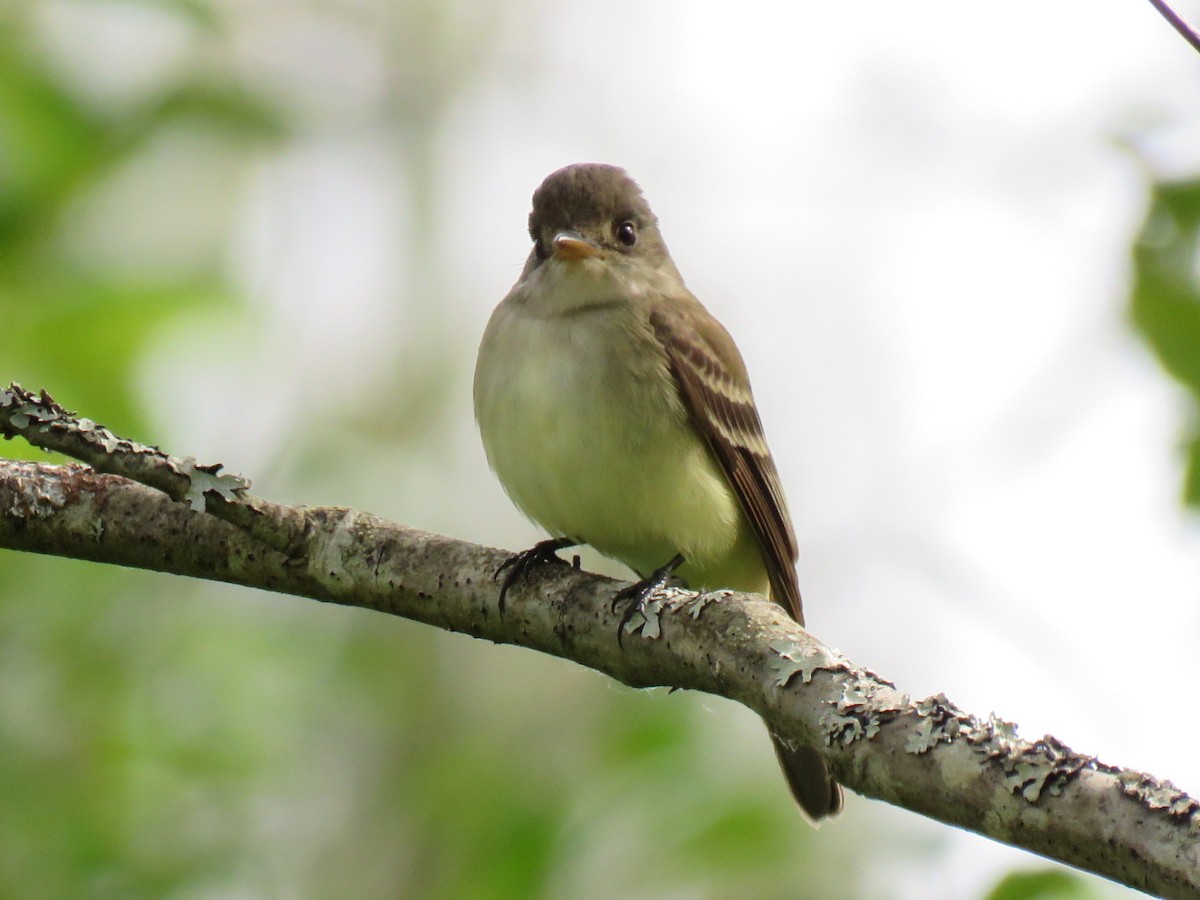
(616, 411)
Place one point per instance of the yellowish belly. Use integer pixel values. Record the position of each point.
(595, 446)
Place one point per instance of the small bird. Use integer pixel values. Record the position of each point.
(617, 412)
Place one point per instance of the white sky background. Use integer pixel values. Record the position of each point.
(914, 218)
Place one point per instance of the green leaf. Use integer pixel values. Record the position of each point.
(1165, 297)
(1045, 884)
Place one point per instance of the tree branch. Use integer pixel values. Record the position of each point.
(927, 756)
(1186, 31)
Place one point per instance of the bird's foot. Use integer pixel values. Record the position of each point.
(520, 563)
(637, 595)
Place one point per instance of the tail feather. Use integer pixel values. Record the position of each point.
(817, 793)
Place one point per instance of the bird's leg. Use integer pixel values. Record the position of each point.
(636, 595)
(517, 565)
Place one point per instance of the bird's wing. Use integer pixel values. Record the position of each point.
(715, 388)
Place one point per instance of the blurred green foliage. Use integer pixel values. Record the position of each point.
(1046, 884)
(1165, 299)
(75, 323)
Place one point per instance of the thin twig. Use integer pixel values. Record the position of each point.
(1187, 31)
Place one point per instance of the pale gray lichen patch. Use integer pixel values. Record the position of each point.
(37, 496)
(203, 479)
(100, 435)
(855, 720)
(865, 704)
(940, 721)
(329, 564)
(647, 622)
(22, 409)
(794, 659)
(695, 605)
(1030, 769)
(1160, 794)
(27, 410)
(1046, 765)
(845, 730)
(994, 738)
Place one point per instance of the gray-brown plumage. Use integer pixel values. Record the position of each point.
(617, 412)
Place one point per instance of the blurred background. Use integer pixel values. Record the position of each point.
(269, 234)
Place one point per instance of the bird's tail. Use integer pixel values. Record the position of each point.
(817, 793)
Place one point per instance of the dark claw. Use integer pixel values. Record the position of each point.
(637, 595)
(539, 554)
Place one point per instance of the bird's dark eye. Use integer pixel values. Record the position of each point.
(626, 233)
(539, 248)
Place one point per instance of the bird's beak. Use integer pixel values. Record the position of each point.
(571, 245)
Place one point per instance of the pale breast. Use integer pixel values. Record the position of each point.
(584, 428)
